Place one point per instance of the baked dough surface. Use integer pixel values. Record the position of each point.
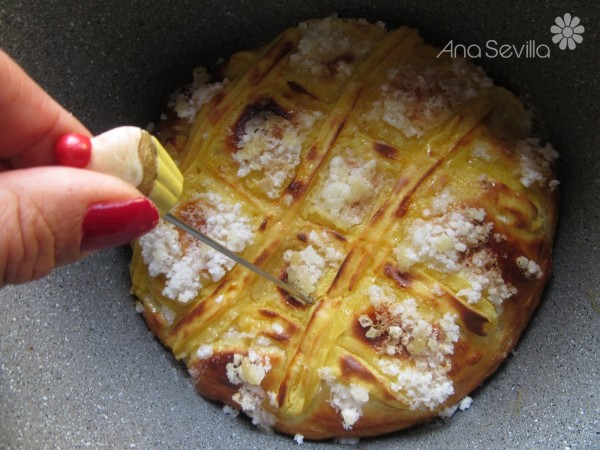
(401, 190)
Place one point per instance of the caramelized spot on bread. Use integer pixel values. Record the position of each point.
(352, 368)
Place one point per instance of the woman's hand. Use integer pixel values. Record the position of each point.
(52, 215)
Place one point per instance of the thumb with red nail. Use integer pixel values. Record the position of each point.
(53, 215)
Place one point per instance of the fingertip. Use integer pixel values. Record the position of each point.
(110, 224)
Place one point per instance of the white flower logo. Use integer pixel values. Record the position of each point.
(567, 32)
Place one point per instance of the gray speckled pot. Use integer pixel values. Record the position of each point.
(78, 367)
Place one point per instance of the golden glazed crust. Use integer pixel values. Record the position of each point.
(400, 190)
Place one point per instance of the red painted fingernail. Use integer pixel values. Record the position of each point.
(73, 150)
(111, 224)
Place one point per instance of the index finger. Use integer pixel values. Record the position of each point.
(30, 120)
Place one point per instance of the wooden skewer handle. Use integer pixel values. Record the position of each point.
(131, 154)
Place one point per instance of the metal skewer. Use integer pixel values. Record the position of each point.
(224, 250)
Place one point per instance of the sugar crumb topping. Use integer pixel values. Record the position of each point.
(535, 163)
(306, 267)
(442, 241)
(277, 328)
(287, 199)
(205, 351)
(423, 377)
(139, 307)
(530, 268)
(271, 144)
(347, 400)
(168, 314)
(186, 266)
(327, 49)
(451, 240)
(414, 99)
(481, 150)
(463, 405)
(188, 102)
(249, 371)
(347, 191)
(235, 335)
(229, 411)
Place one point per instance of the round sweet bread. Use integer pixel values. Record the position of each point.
(396, 186)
